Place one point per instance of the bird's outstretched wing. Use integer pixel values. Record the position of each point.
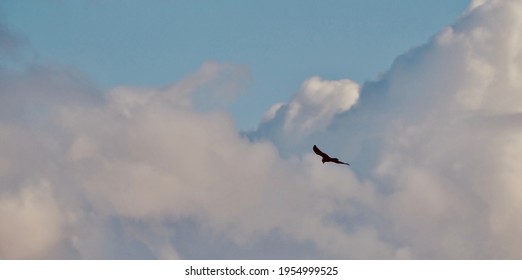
(335, 160)
(319, 152)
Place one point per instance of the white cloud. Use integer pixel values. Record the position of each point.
(434, 146)
(151, 157)
(453, 175)
(166, 163)
(313, 106)
(438, 135)
(31, 223)
(317, 102)
(309, 111)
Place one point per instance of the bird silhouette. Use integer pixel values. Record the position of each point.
(327, 158)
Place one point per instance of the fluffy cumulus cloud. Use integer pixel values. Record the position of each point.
(309, 111)
(434, 144)
(453, 137)
(113, 174)
(313, 106)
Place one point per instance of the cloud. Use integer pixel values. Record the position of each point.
(314, 105)
(438, 136)
(9, 43)
(434, 144)
(310, 110)
(121, 168)
(14, 48)
(443, 154)
(31, 222)
(157, 161)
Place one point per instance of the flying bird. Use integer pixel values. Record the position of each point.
(327, 158)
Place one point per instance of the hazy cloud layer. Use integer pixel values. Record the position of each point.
(9, 43)
(14, 48)
(435, 146)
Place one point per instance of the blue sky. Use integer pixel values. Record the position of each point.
(283, 43)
